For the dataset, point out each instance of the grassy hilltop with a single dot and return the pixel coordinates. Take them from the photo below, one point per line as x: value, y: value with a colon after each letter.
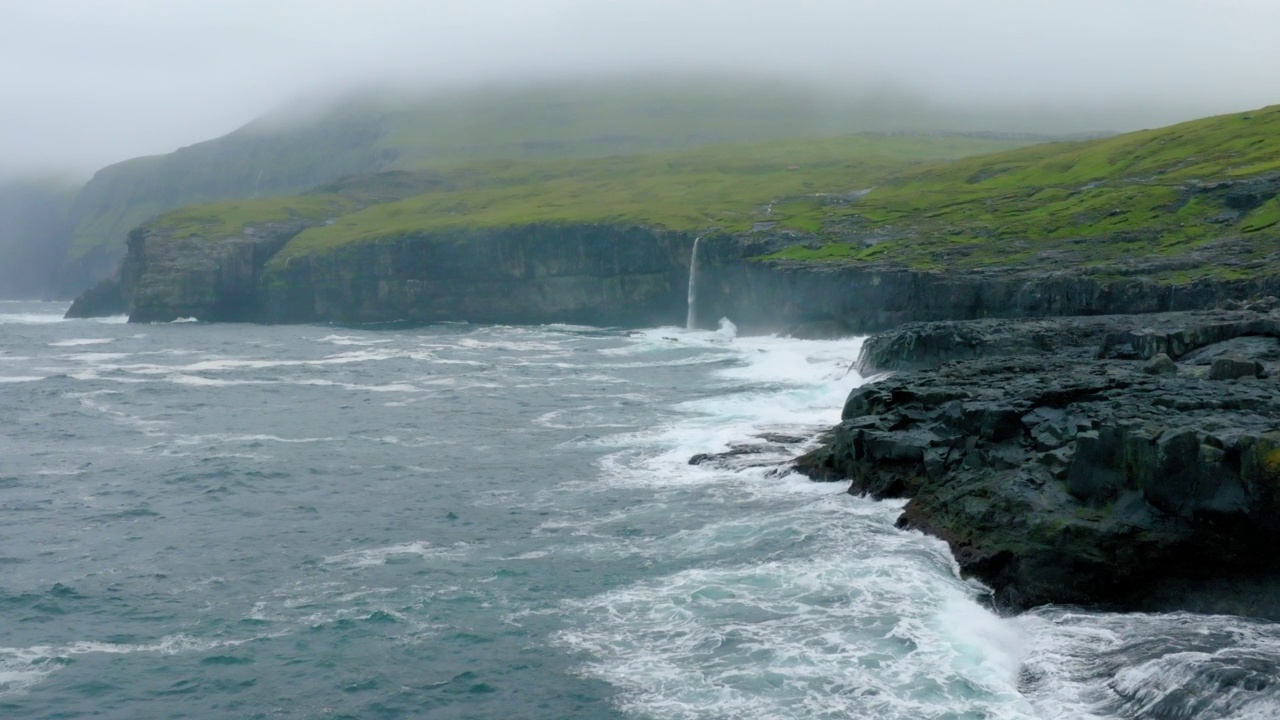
x: 1201, y: 195
x: 733, y: 187
x: 728, y: 186
x: 286, y: 154
x: 1200, y: 199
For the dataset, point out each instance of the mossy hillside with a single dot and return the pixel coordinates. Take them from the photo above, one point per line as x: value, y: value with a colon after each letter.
x: 733, y: 187
x: 288, y: 152
x: 1168, y: 193
x: 235, y: 217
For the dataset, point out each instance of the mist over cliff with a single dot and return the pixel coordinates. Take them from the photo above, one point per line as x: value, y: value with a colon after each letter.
x: 83, y: 84
x: 158, y: 105
x: 33, y: 234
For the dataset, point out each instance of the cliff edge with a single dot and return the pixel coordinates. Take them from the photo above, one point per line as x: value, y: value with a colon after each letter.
x: 1128, y: 462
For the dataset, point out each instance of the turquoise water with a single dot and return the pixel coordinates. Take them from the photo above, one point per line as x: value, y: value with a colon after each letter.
x: 231, y: 521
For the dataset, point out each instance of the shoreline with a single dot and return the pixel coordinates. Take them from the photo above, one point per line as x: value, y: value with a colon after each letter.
x: 1074, y: 461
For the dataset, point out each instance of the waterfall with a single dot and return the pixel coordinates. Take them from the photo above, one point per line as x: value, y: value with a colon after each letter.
x: 692, y: 319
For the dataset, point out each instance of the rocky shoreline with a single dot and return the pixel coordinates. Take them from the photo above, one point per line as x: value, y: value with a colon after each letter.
x: 1130, y: 462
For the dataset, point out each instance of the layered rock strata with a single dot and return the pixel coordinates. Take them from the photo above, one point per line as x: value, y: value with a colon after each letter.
x: 163, y: 277
x: 828, y: 299
x: 594, y: 274
x: 588, y: 274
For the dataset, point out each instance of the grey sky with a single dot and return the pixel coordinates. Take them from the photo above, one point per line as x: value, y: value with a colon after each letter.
x: 88, y: 82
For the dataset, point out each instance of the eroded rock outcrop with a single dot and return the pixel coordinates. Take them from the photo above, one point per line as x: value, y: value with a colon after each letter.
x: 1067, y: 475
x: 164, y: 277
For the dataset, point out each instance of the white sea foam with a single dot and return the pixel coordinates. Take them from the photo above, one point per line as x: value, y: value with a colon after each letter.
x: 168, y: 645
x: 29, y: 318
x: 354, y: 340
x: 839, y: 614
x: 1087, y: 665
x: 230, y: 438
x: 587, y: 416
x: 522, y: 346
x: 391, y: 387
x: 146, y: 427
x: 369, y: 557
x: 98, y: 357
x: 22, y: 668
x: 727, y: 329
x: 830, y: 636
x: 77, y: 342
x: 198, y: 381
x: 836, y: 614
x: 20, y: 378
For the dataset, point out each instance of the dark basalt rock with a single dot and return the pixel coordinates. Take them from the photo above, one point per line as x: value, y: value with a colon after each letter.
x: 1230, y: 368
x: 164, y: 277
x: 1071, y: 475
x: 1160, y: 365
x: 603, y: 275
x: 101, y: 300
x: 763, y: 451
x: 762, y: 295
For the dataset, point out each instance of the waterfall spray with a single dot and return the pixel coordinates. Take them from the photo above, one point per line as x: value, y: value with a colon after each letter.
x: 692, y: 319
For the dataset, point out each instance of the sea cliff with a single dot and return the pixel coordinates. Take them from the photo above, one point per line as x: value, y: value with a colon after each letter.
x: 830, y: 299
x: 586, y: 274
x: 591, y: 274
x: 625, y: 275
x: 1127, y: 461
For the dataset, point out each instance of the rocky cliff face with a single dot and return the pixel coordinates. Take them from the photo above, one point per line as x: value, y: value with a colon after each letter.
x: 163, y: 278
x: 832, y: 298
x: 601, y: 275
x: 595, y: 274
x: 1134, y: 461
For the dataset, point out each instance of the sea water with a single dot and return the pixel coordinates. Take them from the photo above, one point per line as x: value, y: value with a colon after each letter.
x: 238, y: 521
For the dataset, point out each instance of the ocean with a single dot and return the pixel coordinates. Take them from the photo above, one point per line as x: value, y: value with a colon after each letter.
x: 460, y: 521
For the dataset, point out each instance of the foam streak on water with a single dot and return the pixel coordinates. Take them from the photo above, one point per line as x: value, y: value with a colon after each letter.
x: 480, y: 522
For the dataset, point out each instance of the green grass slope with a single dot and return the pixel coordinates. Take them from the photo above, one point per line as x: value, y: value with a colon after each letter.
x: 733, y: 187
x: 1192, y: 200
x: 233, y: 217
x: 283, y: 155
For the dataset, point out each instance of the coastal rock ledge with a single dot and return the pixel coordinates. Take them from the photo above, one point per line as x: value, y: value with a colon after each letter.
x: 1126, y: 462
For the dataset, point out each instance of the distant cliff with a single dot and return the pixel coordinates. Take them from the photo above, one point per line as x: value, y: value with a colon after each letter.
x: 588, y: 274
x: 823, y: 236
x: 592, y: 274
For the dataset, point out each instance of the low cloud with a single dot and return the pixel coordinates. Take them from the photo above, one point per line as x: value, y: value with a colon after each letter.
x: 85, y: 83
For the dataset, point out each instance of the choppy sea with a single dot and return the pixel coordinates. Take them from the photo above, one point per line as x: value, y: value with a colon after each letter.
x: 457, y: 521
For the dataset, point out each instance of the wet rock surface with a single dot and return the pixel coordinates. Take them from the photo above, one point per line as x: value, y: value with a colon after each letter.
x: 1061, y: 468
x: 761, y: 450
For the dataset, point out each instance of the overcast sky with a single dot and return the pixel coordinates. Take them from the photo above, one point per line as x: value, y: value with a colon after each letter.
x: 87, y: 82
